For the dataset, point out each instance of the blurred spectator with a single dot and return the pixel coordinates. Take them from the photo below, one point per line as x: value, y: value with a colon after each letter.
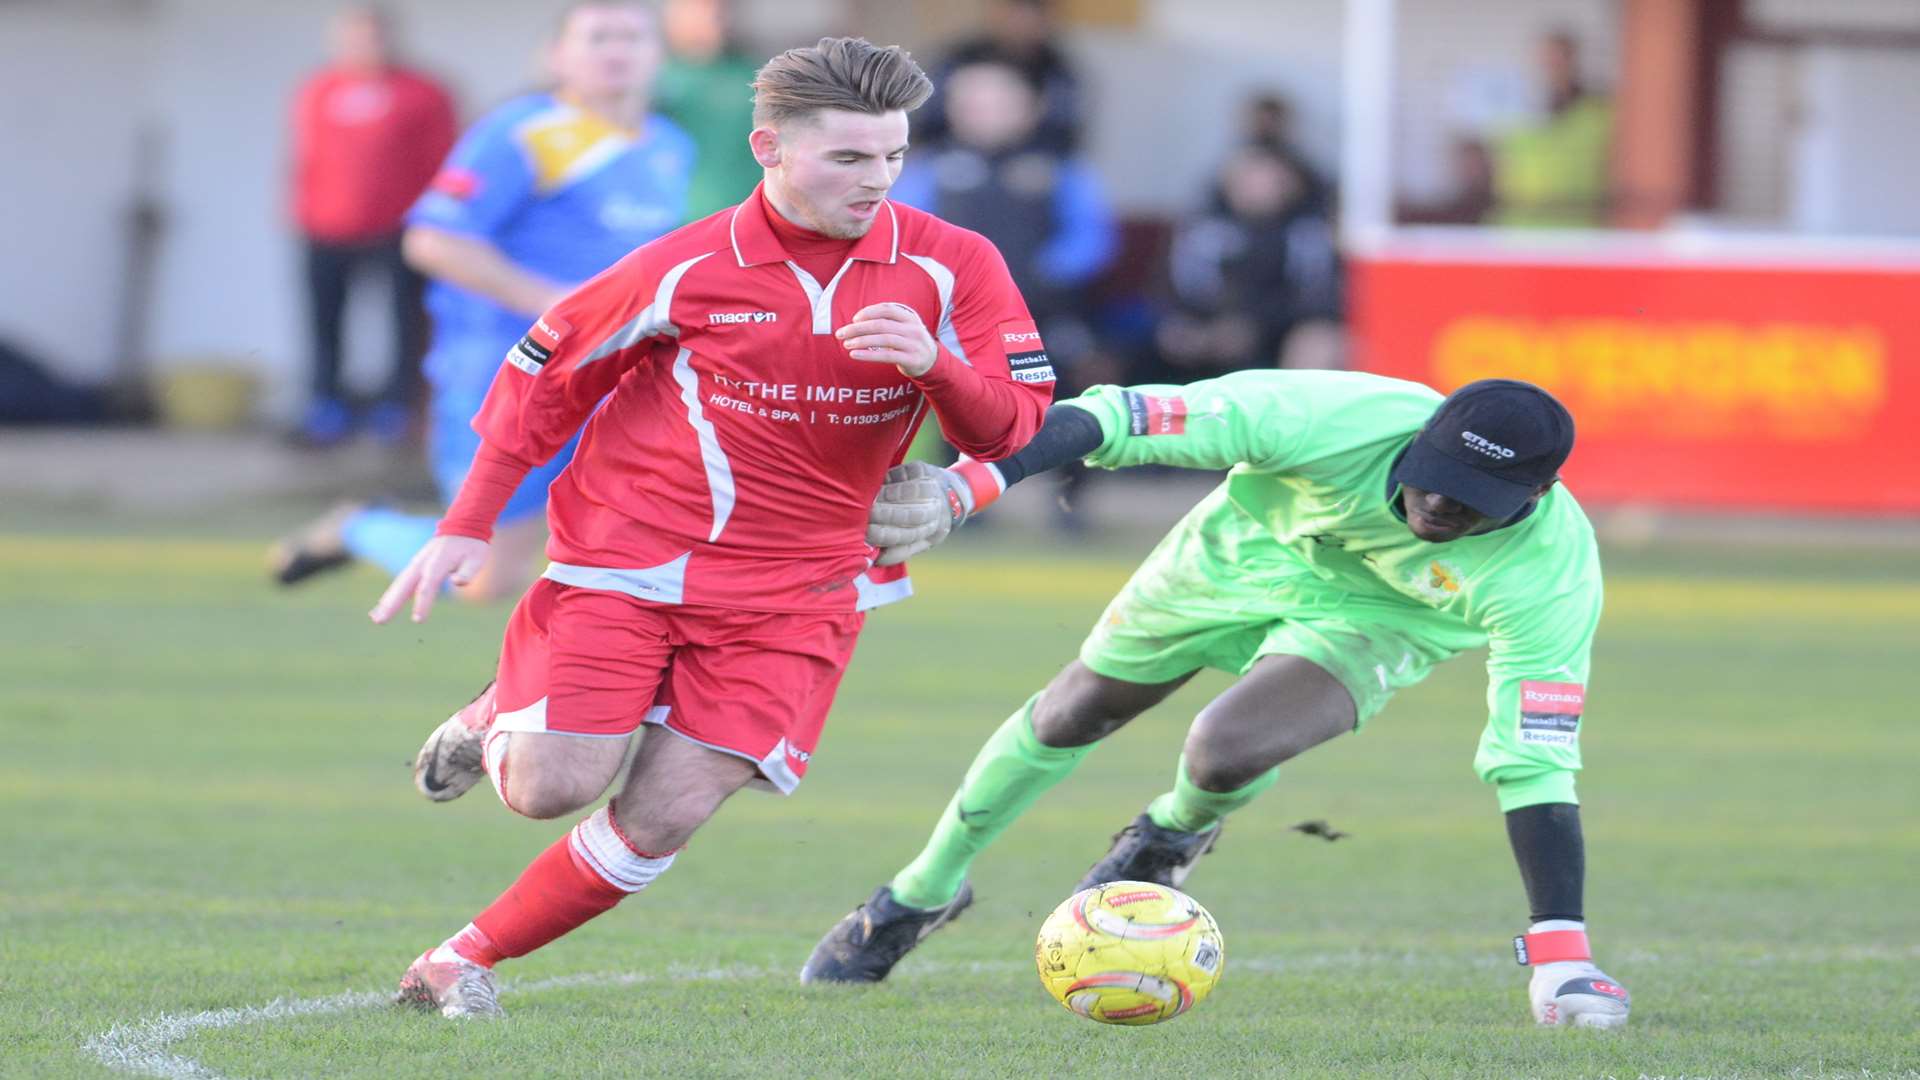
x: 1256, y: 278
x: 1554, y: 173
x: 1022, y: 35
x: 996, y: 172
x: 1469, y: 196
x: 706, y: 87
x: 1267, y: 117
x: 541, y: 194
x: 1267, y: 120
x: 368, y: 134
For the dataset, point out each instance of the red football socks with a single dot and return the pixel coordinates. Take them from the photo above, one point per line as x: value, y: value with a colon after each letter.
x: 555, y: 893
x: 583, y: 874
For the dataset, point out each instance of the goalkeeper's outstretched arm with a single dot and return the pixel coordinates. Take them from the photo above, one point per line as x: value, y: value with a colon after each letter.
x: 1250, y: 418
x: 1068, y: 434
x: 920, y: 504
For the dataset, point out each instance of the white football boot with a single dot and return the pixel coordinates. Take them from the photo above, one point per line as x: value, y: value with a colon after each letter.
x: 452, y: 759
x: 1566, y: 989
x: 443, y: 981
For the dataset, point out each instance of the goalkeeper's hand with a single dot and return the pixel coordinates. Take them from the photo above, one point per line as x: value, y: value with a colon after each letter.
x: 920, y: 504
x: 1567, y: 990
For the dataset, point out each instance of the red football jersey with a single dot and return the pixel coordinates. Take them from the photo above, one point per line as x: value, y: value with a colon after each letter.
x: 738, y: 448
x: 364, y: 147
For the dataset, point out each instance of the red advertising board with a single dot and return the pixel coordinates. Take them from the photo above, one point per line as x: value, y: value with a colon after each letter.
x: 1691, y: 386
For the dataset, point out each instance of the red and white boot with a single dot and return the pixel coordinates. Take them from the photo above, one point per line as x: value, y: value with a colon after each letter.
x: 453, y: 758
x: 445, y: 982
x: 1567, y: 990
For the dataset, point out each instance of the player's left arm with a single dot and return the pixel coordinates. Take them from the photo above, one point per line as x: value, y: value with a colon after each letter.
x: 991, y: 392
x: 1537, y: 669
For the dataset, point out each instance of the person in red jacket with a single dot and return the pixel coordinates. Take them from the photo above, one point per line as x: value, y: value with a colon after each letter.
x: 747, y: 382
x: 368, y: 134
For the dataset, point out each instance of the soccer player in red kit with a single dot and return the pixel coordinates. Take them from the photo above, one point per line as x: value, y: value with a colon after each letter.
x: 761, y: 371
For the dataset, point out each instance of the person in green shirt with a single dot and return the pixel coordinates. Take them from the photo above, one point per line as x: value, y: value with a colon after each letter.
x: 1554, y: 173
x: 1366, y: 531
x: 706, y: 86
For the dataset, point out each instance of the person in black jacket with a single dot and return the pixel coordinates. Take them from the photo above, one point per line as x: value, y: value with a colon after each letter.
x: 1256, y: 276
x: 1022, y: 35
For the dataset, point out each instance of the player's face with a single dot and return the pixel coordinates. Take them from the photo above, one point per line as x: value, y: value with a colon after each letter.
x: 360, y: 39
x: 830, y: 171
x: 991, y: 106
x: 606, y: 51
x: 1437, y: 519
x: 695, y: 28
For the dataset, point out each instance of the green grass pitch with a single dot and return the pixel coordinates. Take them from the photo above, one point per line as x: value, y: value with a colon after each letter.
x: 212, y: 864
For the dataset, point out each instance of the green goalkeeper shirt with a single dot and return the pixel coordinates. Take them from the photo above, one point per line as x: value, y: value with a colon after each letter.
x: 1309, y: 455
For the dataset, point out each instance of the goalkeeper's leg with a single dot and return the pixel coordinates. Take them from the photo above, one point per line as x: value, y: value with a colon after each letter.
x: 1032, y: 751
x: 1035, y: 749
x: 1283, y: 706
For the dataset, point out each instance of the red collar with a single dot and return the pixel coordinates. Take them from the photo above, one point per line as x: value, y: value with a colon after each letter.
x: 755, y: 242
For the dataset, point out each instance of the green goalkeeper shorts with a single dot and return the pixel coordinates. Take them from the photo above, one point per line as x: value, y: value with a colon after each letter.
x: 1219, y: 592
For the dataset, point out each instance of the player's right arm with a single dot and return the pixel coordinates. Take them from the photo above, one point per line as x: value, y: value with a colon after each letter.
x: 450, y: 230
x: 477, y: 266
x: 550, y: 382
x: 1256, y: 418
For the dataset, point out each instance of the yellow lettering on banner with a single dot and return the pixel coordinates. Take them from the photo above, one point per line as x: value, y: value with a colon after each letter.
x: 1681, y: 379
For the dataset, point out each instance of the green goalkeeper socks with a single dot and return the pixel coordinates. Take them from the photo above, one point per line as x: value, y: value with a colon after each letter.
x: 1188, y: 808
x: 1009, y: 773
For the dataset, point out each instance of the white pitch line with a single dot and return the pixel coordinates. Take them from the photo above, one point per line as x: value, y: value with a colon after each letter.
x: 141, y: 1047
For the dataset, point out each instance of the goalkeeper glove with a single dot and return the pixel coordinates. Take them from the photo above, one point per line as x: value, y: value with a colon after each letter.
x: 1567, y: 990
x: 920, y: 504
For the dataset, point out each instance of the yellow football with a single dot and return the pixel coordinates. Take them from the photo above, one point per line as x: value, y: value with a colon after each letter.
x: 1130, y: 952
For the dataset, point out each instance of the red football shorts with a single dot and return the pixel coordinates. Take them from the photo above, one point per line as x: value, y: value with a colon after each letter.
x: 754, y: 684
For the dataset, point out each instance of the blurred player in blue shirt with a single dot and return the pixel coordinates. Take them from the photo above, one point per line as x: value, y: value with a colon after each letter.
x: 541, y: 194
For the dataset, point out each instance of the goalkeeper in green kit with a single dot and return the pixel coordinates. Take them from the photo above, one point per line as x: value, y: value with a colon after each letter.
x: 1368, y: 529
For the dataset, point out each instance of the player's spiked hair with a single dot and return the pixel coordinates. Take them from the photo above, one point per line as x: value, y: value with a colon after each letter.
x: 838, y: 73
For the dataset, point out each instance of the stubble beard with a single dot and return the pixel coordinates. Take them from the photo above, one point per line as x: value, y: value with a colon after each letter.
x: 820, y: 223
x: 849, y: 231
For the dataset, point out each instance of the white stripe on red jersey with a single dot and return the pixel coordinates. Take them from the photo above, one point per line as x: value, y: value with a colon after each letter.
x: 738, y: 447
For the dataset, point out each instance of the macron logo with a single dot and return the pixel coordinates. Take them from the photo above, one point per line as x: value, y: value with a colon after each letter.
x: 723, y: 318
x: 1485, y: 446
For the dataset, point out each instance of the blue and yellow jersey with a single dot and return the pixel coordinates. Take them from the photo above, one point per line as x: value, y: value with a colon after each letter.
x: 560, y: 191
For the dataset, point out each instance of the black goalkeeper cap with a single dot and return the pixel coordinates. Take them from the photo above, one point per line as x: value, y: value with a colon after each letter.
x: 1490, y: 445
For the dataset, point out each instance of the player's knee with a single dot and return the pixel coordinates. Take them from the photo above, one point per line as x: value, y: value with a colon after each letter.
x: 657, y: 828
x: 1061, y: 718
x: 1228, y: 748
x: 535, y: 795
x: 1080, y: 707
x: 1212, y: 771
